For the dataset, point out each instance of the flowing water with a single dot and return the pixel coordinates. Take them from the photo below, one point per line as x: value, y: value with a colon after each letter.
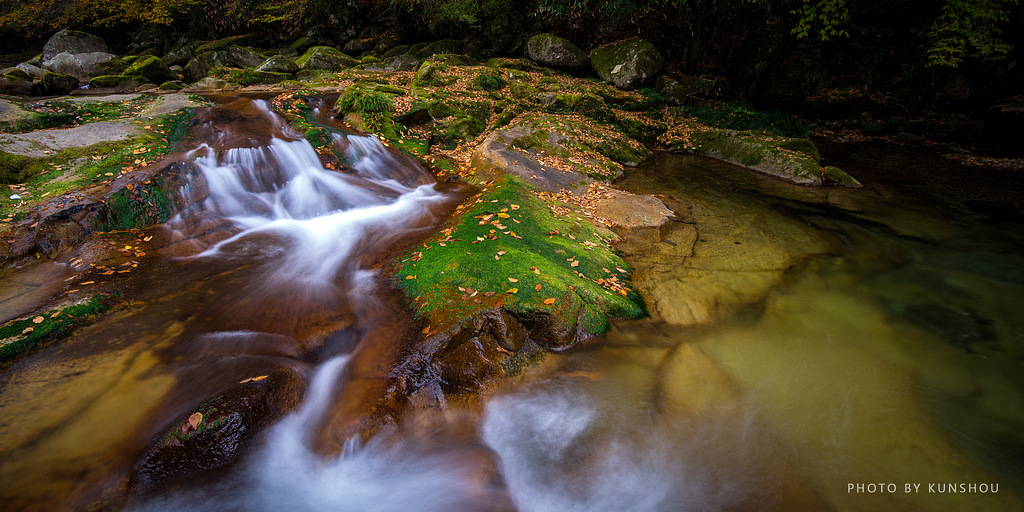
x: 808, y: 349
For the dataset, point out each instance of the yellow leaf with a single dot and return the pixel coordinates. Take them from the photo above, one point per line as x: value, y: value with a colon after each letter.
x: 195, y: 419
x: 410, y: 277
x: 37, y: 320
x: 575, y: 263
x: 513, y: 280
x: 512, y: 290
x: 549, y: 301
x: 28, y: 330
x: 515, y: 206
x: 503, y: 215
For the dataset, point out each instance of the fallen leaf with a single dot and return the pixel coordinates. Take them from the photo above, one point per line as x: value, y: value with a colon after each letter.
x: 94, y: 282
x: 504, y: 215
x: 425, y: 330
x: 537, y: 287
x: 512, y: 280
x: 515, y: 206
x: 195, y: 419
x: 410, y: 277
x: 28, y: 330
x: 549, y: 301
x: 37, y: 320
x: 575, y: 263
x: 512, y: 290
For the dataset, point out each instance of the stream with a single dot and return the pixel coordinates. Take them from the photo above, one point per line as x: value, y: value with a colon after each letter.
x: 808, y: 349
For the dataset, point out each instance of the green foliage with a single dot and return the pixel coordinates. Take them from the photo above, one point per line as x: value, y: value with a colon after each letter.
x: 969, y: 28
x: 490, y: 81
x: 456, y: 17
x: 822, y: 19
x: 743, y: 117
x: 19, y: 336
x: 243, y: 77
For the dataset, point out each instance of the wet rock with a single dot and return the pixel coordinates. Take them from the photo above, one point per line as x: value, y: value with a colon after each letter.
x: 73, y: 42
x: 553, y: 51
x: 628, y: 64
x: 625, y: 210
x: 836, y: 176
x: 224, y: 426
x: 279, y: 64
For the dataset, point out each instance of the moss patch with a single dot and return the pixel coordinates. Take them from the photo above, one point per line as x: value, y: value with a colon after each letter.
x: 18, y: 336
x: 506, y: 248
x: 63, y: 113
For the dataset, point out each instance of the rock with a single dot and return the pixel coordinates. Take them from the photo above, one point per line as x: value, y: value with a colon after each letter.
x: 119, y: 81
x: 33, y: 71
x: 176, y: 85
x: 152, y: 68
x: 678, y: 92
x: 774, y: 156
x: 325, y: 58
x: 178, y: 56
x: 243, y: 57
x: 758, y: 51
x: 223, y: 45
x: 206, y: 84
x: 452, y: 46
x: 626, y: 210
x: 391, y: 38
x: 406, y: 62
x: 279, y: 64
x: 200, y: 65
x: 343, y: 20
x: 73, y: 42
x: 223, y: 426
x: 628, y: 64
x: 56, y: 84
x: 554, y: 52
x: 789, y: 82
x: 15, y: 86
x: 17, y: 74
x: 84, y: 66
x: 836, y: 176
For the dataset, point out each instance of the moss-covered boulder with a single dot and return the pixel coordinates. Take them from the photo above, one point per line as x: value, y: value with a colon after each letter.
x: 279, y: 64
x: 56, y: 84
x: 152, y: 68
x: 555, y: 52
x: 792, y: 159
x: 403, y: 62
x: 85, y: 65
x: 199, y: 66
x: 244, y: 56
x: 369, y: 106
x: 627, y: 64
x: 15, y: 86
x: 325, y: 58
x: 73, y: 42
x: 224, y: 45
x: 451, y: 46
x: 116, y: 81
x: 680, y: 90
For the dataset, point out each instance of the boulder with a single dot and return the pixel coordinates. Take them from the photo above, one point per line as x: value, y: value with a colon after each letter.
x: 625, y: 210
x: 438, y: 47
x: 278, y: 64
x: 627, y: 64
x: 223, y: 45
x: 406, y: 62
x: 17, y: 73
x: 126, y: 82
x: 73, y: 42
x: 56, y: 84
x: 84, y: 66
x: 200, y: 65
x: 388, y: 40
x: 206, y: 84
x: 554, y: 52
x: 15, y: 86
x: 325, y: 58
x: 793, y: 160
x: 244, y: 57
x: 679, y: 91
x: 343, y: 20
x: 33, y: 71
x: 178, y: 56
x: 153, y: 68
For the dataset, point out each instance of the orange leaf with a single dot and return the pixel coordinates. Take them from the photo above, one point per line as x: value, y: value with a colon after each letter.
x: 425, y: 330
x: 537, y: 287
x: 575, y: 263
x: 37, y: 320
x: 549, y: 301
x: 512, y: 280
x: 195, y: 419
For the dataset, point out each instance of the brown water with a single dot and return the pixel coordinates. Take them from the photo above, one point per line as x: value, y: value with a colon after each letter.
x: 802, y: 342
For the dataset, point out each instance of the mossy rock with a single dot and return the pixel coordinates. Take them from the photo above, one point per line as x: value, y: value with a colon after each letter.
x: 244, y: 56
x: 176, y: 85
x: 555, y: 52
x: 763, y: 154
x: 512, y: 252
x: 444, y: 46
x: 13, y: 168
x: 114, y: 80
x: 226, y: 43
x: 199, y: 66
x: 627, y: 64
x: 152, y: 68
x: 325, y: 58
x: 56, y: 84
x: 837, y: 176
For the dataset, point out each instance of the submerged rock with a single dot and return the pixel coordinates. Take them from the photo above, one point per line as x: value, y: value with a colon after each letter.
x: 555, y: 52
x: 628, y: 64
x: 793, y: 160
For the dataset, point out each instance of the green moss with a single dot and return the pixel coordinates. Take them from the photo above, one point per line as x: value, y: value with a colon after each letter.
x: 490, y: 81
x: 740, y: 116
x: 510, y: 233
x: 19, y: 336
x: 13, y: 168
